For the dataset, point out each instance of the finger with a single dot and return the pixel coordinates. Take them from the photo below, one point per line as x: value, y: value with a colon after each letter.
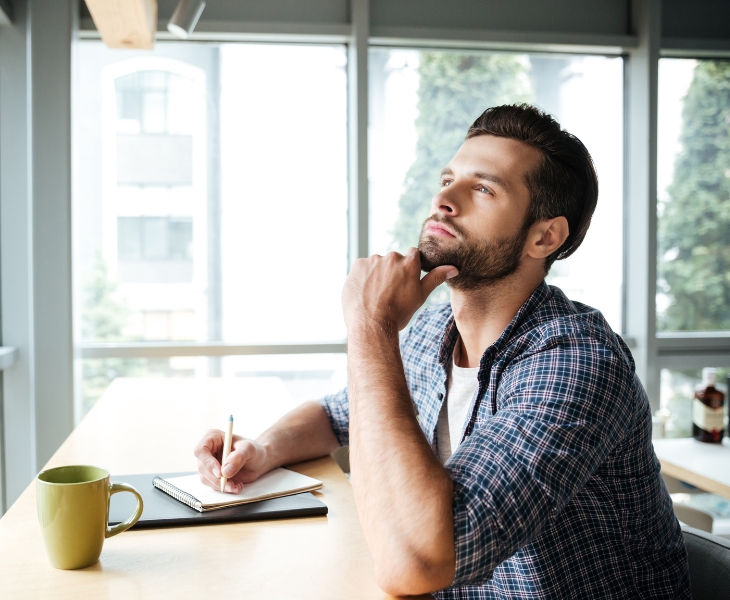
x: 211, y: 442
x: 232, y: 487
x: 206, y: 449
x: 242, y: 452
x: 436, y: 277
x: 210, y: 464
x: 411, y: 252
x: 207, y: 479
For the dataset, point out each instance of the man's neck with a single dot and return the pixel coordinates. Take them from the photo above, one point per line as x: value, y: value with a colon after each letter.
x: 482, y: 315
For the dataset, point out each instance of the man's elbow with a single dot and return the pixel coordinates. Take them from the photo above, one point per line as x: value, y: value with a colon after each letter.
x: 414, y: 576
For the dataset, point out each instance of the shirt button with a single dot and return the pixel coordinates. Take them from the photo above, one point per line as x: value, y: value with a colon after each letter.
x: 441, y: 396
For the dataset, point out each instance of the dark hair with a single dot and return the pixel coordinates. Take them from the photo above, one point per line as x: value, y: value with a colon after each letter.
x: 565, y: 183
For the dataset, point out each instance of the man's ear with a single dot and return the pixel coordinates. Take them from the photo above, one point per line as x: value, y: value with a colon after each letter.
x: 545, y: 237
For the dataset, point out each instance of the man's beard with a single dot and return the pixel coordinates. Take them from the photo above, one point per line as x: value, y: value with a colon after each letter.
x: 480, y: 263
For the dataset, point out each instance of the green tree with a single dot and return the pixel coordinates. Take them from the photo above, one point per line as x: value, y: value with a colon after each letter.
x: 104, y: 318
x: 694, y: 227
x: 105, y: 312
x: 454, y: 89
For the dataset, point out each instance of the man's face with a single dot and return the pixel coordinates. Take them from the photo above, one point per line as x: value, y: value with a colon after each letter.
x: 476, y: 221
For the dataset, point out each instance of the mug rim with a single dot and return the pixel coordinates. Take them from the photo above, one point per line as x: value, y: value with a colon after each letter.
x: 51, y: 470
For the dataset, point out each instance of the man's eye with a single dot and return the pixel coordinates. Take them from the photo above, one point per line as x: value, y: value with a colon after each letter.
x: 445, y: 182
x: 484, y: 190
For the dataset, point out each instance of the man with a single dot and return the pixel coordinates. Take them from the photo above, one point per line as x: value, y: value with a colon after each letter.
x: 502, y: 448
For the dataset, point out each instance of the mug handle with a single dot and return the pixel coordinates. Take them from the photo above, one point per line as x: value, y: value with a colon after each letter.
x: 125, y: 487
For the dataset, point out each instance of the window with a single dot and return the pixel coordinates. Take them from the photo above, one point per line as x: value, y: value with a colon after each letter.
x: 213, y: 203
x: 212, y: 206
x: 302, y: 376
x: 155, y: 238
x: 693, y: 261
x: 153, y: 101
x: 693, y: 231
x: 678, y: 387
x: 422, y: 103
x: 151, y: 139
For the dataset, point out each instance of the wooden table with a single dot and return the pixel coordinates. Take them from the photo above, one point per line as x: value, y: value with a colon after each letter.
x: 706, y: 466
x: 147, y: 426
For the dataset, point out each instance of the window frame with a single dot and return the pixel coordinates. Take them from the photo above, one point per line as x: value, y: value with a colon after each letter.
x: 641, y: 51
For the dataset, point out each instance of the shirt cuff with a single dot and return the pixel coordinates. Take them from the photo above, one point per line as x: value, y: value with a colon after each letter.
x: 475, y: 542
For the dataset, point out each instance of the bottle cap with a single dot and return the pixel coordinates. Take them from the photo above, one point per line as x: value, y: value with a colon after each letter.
x: 708, y: 376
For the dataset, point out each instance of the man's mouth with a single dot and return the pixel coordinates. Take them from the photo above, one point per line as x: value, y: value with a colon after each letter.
x: 434, y: 228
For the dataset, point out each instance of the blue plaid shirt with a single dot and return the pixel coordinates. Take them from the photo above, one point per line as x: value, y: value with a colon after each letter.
x: 557, y: 492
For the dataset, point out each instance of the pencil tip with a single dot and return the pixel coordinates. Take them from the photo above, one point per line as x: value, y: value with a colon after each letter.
x: 230, y: 417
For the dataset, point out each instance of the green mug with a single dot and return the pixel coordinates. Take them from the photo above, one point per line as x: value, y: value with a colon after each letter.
x: 73, y: 511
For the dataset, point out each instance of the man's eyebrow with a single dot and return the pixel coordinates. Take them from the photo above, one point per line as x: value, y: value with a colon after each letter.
x: 490, y: 177
x: 479, y: 175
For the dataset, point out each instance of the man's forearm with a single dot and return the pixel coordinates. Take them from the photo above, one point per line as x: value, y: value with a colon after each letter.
x: 302, y: 434
x: 402, y: 492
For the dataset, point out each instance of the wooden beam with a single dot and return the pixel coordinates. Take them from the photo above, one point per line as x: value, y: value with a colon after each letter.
x: 125, y: 23
x: 6, y: 12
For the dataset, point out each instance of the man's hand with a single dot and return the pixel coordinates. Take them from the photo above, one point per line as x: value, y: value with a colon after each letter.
x: 302, y: 434
x: 389, y: 289
x: 246, y: 462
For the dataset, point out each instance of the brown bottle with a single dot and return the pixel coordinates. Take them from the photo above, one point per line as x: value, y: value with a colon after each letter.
x: 708, y: 410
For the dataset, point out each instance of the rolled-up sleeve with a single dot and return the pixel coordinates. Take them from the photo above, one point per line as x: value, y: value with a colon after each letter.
x: 561, y: 410
x: 338, y: 412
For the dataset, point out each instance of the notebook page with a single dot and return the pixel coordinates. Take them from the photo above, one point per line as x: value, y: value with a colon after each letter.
x: 279, y: 482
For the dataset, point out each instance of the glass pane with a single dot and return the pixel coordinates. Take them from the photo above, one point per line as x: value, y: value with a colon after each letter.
x: 693, y: 262
x: 154, y: 111
x: 422, y: 103
x: 210, y: 192
x: 677, y: 391
x: 287, y: 380
x: 180, y: 238
x: 284, y: 176
x: 129, y: 238
x: 154, y: 238
x: 304, y: 376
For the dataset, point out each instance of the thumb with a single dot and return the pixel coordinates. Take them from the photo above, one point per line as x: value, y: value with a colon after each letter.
x: 241, y: 453
x: 436, y: 277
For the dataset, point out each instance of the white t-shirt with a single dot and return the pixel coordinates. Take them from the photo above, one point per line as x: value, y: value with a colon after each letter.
x: 461, y: 386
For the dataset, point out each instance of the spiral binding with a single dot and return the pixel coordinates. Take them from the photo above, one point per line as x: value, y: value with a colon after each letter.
x: 177, y: 493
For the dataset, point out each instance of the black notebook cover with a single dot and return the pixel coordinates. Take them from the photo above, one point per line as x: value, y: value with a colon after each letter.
x: 161, y: 510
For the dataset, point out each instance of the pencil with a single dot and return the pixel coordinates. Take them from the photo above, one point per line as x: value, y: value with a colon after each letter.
x: 226, y: 449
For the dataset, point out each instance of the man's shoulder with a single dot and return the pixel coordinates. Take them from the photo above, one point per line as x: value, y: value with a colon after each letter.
x: 564, y: 322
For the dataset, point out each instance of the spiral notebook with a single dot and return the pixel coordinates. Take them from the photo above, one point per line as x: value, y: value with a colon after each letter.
x: 189, y: 490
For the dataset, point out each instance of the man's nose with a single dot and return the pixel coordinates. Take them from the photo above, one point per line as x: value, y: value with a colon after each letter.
x: 445, y: 202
